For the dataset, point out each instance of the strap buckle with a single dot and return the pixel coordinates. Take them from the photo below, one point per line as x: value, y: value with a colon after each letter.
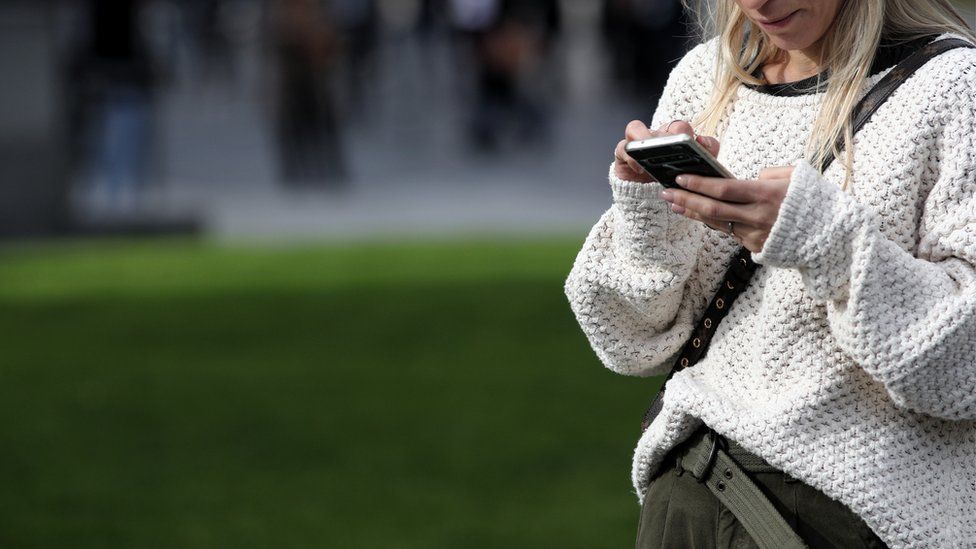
x: 704, y: 466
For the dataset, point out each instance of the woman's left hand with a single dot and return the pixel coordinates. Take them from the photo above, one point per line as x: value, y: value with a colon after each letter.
x: 751, y: 206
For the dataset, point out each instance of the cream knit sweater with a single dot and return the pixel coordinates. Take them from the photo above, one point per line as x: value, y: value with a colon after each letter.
x: 850, y: 360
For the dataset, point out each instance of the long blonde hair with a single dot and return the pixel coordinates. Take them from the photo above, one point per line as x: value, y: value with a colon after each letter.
x: 849, y: 46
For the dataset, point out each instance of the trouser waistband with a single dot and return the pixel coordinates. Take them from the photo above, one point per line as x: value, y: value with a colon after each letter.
x: 721, y: 465
x: 747, y: 460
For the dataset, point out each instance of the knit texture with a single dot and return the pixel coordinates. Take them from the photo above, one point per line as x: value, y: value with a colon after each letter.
x: 850, y: 360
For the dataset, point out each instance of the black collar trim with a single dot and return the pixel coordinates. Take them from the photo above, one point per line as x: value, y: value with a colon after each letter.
x: 890, y: 53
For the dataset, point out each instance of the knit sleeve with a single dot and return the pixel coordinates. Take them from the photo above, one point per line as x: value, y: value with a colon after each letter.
x: 908, y: 319
x: 636, y: 286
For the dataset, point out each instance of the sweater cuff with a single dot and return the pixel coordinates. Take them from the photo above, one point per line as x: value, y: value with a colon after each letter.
x: 807, y: 220
x: 634, y: 190
x: 646, y: 230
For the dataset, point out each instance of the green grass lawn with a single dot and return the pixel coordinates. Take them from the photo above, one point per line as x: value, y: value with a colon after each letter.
x: 175, y: 394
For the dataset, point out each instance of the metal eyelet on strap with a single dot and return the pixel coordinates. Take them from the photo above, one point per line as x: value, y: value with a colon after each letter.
x: 696, y: 343
x: 744, y: 263
x: 684, y: 362
x: 729, y: 285
x: 708, y: 323
x: 720, y: 303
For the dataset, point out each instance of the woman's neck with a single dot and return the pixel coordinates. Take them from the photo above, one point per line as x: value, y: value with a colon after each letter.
x: 794, y: 65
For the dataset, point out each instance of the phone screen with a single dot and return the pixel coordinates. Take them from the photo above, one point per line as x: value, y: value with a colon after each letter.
x: 665, y: 162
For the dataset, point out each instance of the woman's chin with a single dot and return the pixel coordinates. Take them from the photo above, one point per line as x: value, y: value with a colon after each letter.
x: 790, y: 43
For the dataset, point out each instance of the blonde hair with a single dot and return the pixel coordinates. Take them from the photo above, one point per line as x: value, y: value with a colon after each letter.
x: 849, y: 47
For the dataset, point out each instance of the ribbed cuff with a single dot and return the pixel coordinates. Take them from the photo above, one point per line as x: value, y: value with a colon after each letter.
x: 646, y: 231
x: 806, y: 223
x: 633, y: 190
x: 639, y: 195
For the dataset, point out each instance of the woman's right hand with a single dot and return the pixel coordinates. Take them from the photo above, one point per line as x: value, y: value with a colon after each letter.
x: 628, y: 169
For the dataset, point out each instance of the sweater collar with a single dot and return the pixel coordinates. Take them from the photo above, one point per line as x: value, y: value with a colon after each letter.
x: 890, y: 52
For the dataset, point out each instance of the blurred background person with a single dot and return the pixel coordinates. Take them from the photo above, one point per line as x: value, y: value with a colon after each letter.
x: 306, y: 45
x: 509, y: 41
x: 208, y: 22
x: 113, y: 79
x: 430, y: 14
x: 357, y: 23
x: 645, y: 39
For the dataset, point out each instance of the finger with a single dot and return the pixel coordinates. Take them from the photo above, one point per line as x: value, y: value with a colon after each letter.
x: 710, y: 143
x: 713, y: 224
x: 677, y: 126
x: 726, y: 190
x: 637, y: 130
x: 750, y: 237
x: 638, y: 173
x: 776, y: 172
x: 620, y: 153
x: 713, y: 210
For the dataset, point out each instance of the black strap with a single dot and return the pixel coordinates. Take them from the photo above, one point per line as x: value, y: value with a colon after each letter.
x: 742, y: 267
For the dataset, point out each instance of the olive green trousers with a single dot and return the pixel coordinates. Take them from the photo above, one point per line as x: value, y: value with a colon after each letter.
x: 680, y: 512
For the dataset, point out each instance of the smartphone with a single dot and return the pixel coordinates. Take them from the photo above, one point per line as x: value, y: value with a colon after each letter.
x: 672, y: 155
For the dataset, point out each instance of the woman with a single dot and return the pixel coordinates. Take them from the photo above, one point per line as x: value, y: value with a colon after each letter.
x: 844, y: 376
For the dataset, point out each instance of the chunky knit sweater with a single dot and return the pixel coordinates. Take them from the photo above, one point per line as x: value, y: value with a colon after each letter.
x: 849, y: 362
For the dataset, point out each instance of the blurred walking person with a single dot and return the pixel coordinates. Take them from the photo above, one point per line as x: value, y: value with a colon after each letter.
x: 113, y: 78
x: 357, y: 23
x: 507, y: 38
x: 216, y: 56
x: 646, y: 38
x: 308, y: 129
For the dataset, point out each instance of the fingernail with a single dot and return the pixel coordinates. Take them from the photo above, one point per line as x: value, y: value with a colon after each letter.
x: 667, y: 195
x: 677, y: 209
x: 681, y: 180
